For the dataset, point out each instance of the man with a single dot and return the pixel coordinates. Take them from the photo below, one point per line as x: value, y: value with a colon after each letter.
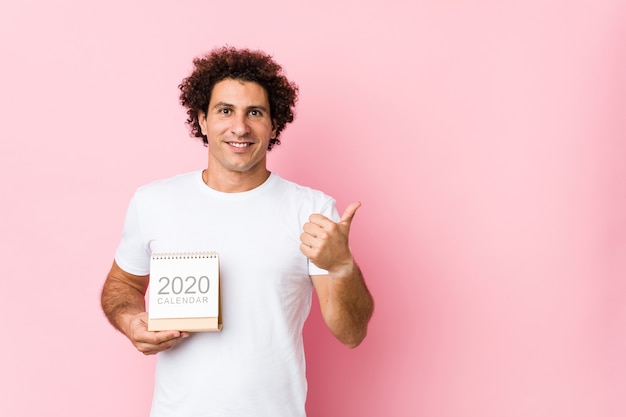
x: 276, y: 241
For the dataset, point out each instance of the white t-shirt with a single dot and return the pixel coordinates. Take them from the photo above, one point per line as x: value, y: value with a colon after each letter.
x: 255, y: 366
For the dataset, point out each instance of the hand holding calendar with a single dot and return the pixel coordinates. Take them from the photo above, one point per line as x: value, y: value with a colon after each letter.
x: 149, y: 342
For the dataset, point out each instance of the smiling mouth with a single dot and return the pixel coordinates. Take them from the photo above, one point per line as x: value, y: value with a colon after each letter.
x: 240, y: 144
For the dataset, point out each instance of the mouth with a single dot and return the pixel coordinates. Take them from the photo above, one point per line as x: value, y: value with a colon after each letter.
x: 240, y: 144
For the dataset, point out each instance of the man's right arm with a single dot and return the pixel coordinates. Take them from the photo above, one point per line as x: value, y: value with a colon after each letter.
x: 123, y: 302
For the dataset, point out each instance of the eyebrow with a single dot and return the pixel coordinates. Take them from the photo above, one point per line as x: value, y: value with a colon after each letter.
x: 253, y: 107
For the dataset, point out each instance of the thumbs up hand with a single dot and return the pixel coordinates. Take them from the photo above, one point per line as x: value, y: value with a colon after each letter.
x: 325, y: 242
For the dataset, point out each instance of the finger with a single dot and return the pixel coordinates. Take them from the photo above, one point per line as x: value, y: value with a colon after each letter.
x: 348, y: 214
x: 154, y: 338
x: 306, y: 250
x: 308, y: 240
x: 311, y: 228
x: 150, y: 348
x: 319, y: 220
x: 164, y: 337
x: 310, y: 252
x: 169, y: 343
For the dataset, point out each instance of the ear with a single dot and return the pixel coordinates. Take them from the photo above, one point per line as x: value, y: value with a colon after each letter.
x: 274, y: 129
x: 202, y: 122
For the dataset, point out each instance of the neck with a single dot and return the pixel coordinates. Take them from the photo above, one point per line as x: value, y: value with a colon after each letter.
x: 234, y: 182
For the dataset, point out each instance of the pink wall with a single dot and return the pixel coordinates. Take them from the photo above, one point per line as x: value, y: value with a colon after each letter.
x: 484, y: 138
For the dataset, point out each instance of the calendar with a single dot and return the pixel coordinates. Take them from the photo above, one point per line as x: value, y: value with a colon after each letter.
x: 184, y: 292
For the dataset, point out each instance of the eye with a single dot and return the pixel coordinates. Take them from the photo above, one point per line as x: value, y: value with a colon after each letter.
x: 255, y: 112
x: 224, y: 110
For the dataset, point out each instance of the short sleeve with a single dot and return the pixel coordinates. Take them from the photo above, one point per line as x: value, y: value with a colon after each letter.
x: 133, y: 254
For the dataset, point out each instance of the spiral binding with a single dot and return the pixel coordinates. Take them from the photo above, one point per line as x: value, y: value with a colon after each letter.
x: 185, y: 255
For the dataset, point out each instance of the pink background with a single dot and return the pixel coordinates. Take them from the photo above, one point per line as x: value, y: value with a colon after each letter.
x: 486, y: 140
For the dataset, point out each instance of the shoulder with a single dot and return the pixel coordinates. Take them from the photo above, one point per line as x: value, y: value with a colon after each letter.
x: 304, y: 200
x: 300, y: 192
x: 163, y: 187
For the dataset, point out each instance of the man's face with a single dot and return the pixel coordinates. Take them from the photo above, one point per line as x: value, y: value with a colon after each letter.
x: 238, y: 127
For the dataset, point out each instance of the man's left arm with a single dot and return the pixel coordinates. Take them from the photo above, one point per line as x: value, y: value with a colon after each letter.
x: 345, y: 301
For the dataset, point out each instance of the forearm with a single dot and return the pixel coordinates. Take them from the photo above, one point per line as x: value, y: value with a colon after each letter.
x: 123, y: 297
x: 120, y: 302
x: 349, y: 305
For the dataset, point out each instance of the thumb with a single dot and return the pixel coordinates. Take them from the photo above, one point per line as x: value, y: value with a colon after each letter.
x: 348, y: 214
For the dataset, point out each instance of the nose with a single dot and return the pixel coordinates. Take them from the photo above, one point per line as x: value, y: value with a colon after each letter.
x: 239, y: 126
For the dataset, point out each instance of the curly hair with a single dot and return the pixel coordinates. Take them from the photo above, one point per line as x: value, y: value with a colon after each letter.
x: 239, y: 64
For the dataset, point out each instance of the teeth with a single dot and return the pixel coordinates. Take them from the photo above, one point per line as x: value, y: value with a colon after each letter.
x: 239, y: 144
